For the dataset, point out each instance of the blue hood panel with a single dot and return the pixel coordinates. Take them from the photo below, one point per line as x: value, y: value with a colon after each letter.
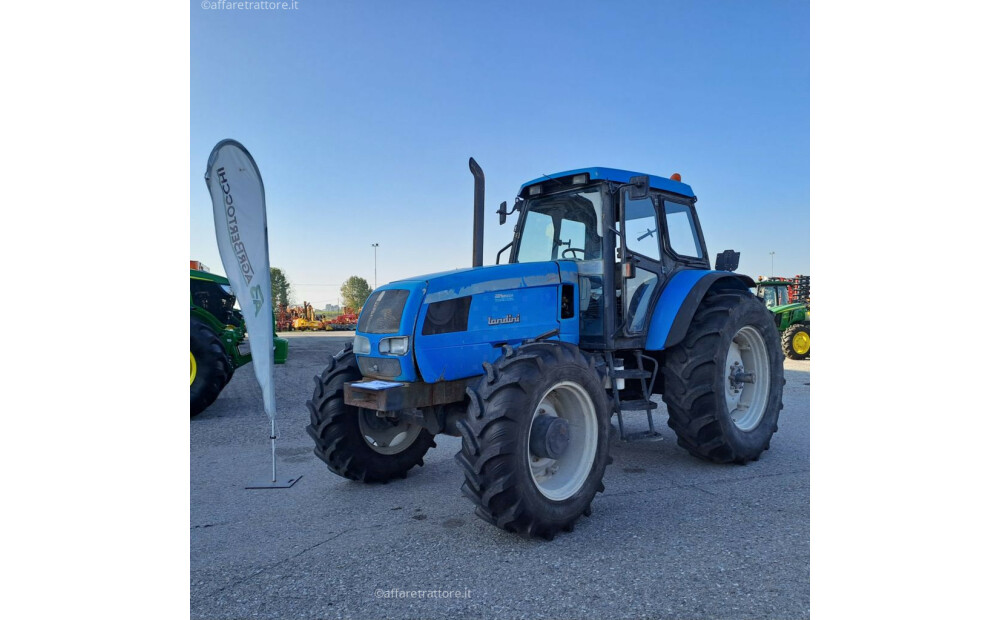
x: 509, y: 303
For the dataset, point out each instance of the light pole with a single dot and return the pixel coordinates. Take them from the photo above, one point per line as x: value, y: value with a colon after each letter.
x: 772, y: 265
x: 375, y: 245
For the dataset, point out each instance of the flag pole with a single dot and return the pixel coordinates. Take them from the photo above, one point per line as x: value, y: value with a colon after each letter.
x: 274, y: 466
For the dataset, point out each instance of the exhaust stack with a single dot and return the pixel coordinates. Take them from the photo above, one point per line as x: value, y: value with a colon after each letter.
x: 478, y: 213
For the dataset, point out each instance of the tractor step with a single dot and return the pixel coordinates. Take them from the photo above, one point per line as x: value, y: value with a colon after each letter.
x: 643, y: 403
x: 643, y: 436
x: 637, y: 405
x: 630, y: 373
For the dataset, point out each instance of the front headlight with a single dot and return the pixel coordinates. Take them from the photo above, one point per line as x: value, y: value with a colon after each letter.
x: 398, y: 345
x: 362, y: 345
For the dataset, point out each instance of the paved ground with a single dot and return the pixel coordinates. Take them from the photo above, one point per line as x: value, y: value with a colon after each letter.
x: 672, y: 537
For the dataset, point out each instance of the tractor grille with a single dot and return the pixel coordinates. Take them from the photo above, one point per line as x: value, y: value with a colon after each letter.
x: 383, y: 312
x: 379, y: 367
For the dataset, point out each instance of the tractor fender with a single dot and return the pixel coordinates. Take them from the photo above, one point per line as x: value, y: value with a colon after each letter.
x: 680, y: 298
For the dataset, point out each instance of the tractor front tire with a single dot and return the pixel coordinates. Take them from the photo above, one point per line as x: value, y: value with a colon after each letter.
x: 723, y: 383
x: 543, y: 392
x: 795, y: 341
x: 210, y: 368
x: 354, y: 442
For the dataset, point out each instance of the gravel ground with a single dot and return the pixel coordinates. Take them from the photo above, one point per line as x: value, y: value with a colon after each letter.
x: 672, y: 537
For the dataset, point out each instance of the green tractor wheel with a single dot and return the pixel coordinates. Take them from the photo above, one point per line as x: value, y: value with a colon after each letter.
x: 210, y: 371
x: 795, y: 341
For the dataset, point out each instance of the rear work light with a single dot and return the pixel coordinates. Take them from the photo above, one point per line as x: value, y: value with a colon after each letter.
x: 580, y: 179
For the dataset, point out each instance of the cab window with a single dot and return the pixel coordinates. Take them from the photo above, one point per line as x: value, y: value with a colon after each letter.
x: 681, y: 231
x: 641, y: 229
x: 562, y: 226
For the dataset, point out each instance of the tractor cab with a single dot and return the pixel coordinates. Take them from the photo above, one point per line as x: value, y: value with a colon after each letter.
x: 627, y: 236
x: 773, y: 293
x: 213, y: 294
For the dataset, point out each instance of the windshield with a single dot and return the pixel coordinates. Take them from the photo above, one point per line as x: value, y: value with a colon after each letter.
x: 773, y: 295
x: 567, y: 225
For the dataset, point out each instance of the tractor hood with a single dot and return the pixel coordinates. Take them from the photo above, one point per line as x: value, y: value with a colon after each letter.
x: 443, y: 326
x: 787, y: 307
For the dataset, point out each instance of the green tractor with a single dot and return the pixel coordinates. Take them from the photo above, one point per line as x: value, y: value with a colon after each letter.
x: 788, y: 300
x: 217, y: 331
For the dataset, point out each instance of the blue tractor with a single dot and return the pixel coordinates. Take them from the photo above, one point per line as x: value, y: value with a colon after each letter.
x: 606, y: 300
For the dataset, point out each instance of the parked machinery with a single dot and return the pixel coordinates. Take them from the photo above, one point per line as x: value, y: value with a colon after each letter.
x: 305, y: 318
x: 607, y: 298
x: 788, y: 300
x: 346, y: 321
x: 217, y: 334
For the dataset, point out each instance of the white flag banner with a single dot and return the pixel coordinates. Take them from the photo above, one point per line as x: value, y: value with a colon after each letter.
x: 241, y: 232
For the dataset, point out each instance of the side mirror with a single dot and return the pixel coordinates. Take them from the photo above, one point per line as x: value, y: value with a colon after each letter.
x: 518, y: 205
x: 638, y: 187
x: 727, y: 261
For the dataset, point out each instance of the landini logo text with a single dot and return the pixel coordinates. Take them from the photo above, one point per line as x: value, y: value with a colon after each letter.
x: 503, y: 320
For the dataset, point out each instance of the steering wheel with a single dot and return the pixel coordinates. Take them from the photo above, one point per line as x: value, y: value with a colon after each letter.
x: 574, y: 250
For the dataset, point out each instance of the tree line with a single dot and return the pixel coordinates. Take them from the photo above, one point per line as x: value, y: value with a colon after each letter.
x: 353, y: 292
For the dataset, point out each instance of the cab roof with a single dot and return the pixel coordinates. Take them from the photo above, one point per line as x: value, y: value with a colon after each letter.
x: 208, y: 277
x: 618, y: 176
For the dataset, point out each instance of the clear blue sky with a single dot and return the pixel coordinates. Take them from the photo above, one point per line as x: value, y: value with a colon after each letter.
x: 362, y: 117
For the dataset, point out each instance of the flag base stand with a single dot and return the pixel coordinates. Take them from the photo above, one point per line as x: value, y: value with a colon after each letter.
x: 275, y: 482
x: 281, y: 483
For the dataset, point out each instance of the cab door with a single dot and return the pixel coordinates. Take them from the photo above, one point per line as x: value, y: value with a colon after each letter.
x: 662, y: 237
x: 642, y: 230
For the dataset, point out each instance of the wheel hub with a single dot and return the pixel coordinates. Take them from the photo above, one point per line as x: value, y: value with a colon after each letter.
x: 385, y: 435
x: 800, y: 343
x: 549, y: 437
x: 560, y: 459
x: 737, y: 378
x: 747, y: 378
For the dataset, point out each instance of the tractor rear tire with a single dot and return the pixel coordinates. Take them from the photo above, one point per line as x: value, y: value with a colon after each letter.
x: 795, y: 341
x: 346, y: 437
x: 210, y: 367
x: 715, y: 416
x: 512, y: 486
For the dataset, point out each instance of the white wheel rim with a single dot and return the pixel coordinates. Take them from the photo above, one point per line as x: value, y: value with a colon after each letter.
x: 559, y: 479
x: 747, y: 401
x: 383, y: 436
